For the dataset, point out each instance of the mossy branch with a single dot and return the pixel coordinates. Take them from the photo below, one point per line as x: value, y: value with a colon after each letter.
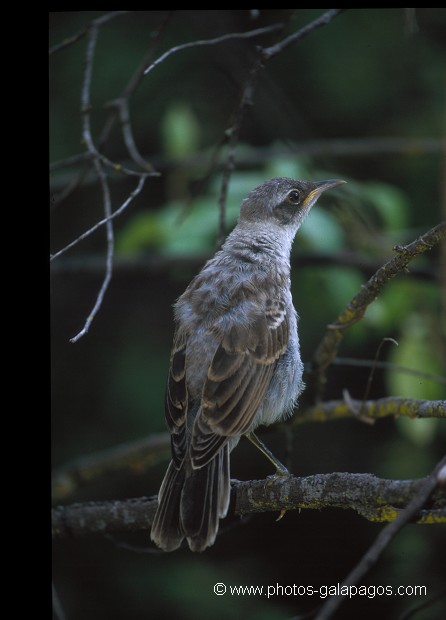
x: 137, y: 456
x: 370, y: 410
x: 133, y: 457
x: 355, y: 310
x: 373, y: 498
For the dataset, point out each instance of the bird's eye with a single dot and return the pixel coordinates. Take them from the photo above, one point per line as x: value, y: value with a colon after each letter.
x: 294, y: 196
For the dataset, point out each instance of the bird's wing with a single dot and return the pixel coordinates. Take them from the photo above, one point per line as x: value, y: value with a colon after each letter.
x: 176, y: 400
x: 241, y: 370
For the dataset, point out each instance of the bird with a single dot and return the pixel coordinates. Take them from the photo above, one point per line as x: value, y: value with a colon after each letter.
x: 235, y: 362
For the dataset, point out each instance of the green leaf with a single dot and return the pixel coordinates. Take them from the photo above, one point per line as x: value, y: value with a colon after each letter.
x: 321, y: 231
x: 144, y: 230
x: 180, y: 130
x: 389, y: 202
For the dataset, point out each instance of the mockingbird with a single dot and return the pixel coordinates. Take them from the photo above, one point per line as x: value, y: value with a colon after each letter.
x: 235, y: 361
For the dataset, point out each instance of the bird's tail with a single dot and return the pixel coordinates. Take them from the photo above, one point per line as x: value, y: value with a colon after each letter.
x: 191, y: 503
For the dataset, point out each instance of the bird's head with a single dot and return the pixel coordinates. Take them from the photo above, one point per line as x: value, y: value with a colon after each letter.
x: 283, y: 202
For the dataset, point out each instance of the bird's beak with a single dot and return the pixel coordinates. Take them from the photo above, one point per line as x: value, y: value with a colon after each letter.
x: 319, y: 187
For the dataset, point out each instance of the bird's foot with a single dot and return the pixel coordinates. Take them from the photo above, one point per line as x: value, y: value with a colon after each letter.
x: 280, y: 475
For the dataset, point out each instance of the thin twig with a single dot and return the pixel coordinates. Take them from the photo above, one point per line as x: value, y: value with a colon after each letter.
x: 109, y: 124
x: 263, y: 55
x: 215, y: 41
x: 324, y: 19
x: 110, y: 252
x: 357, y: 307
x: 372, y: 372
x: 92, y: 151
x: 97, y: 159
x: 99, y: 21
x: 122, y: 106
x: 234, y: 133
x: 382, y: 541
x: 110, y: 244
x: 124, y: 99
x: 104, y: 221
x: 88, y: 139
x: 86, y: 90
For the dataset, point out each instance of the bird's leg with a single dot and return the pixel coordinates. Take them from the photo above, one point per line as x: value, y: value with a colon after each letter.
x: 281, y: 470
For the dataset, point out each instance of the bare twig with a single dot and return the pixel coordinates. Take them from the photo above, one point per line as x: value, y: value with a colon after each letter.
x: 99, y: 21
x: 86, y: 134
x: 357, y: 307
x: 105, y: 221
x: 419, y: 499
x: 109, y: 259
x: 372, y: 371
x: 215, y: 41
x: 86, y: 90
x: 120, y: 109
x: 324, y: 19
x: 373, y: 498
x: 122, y: 106
x: 263, y: 55
x: 100, y: 160
x: 234, y: 133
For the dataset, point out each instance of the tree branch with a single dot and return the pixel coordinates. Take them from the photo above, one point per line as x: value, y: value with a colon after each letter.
x: 325, y: 18
x: 215, y: 41
x: 371, y: 409
x: 133, y: 456
x: 119, y: 109
x: 357, y: 307
x: 99, y: 21
x: 373, y: 498
x: 104, y: 221
x: 99, y: 161
x: 137, y: 456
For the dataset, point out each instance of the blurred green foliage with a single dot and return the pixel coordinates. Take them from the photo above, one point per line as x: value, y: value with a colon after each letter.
x: 327, y: 107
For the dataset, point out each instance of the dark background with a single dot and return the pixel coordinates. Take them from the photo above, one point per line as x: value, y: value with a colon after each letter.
x: 369, y: 77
